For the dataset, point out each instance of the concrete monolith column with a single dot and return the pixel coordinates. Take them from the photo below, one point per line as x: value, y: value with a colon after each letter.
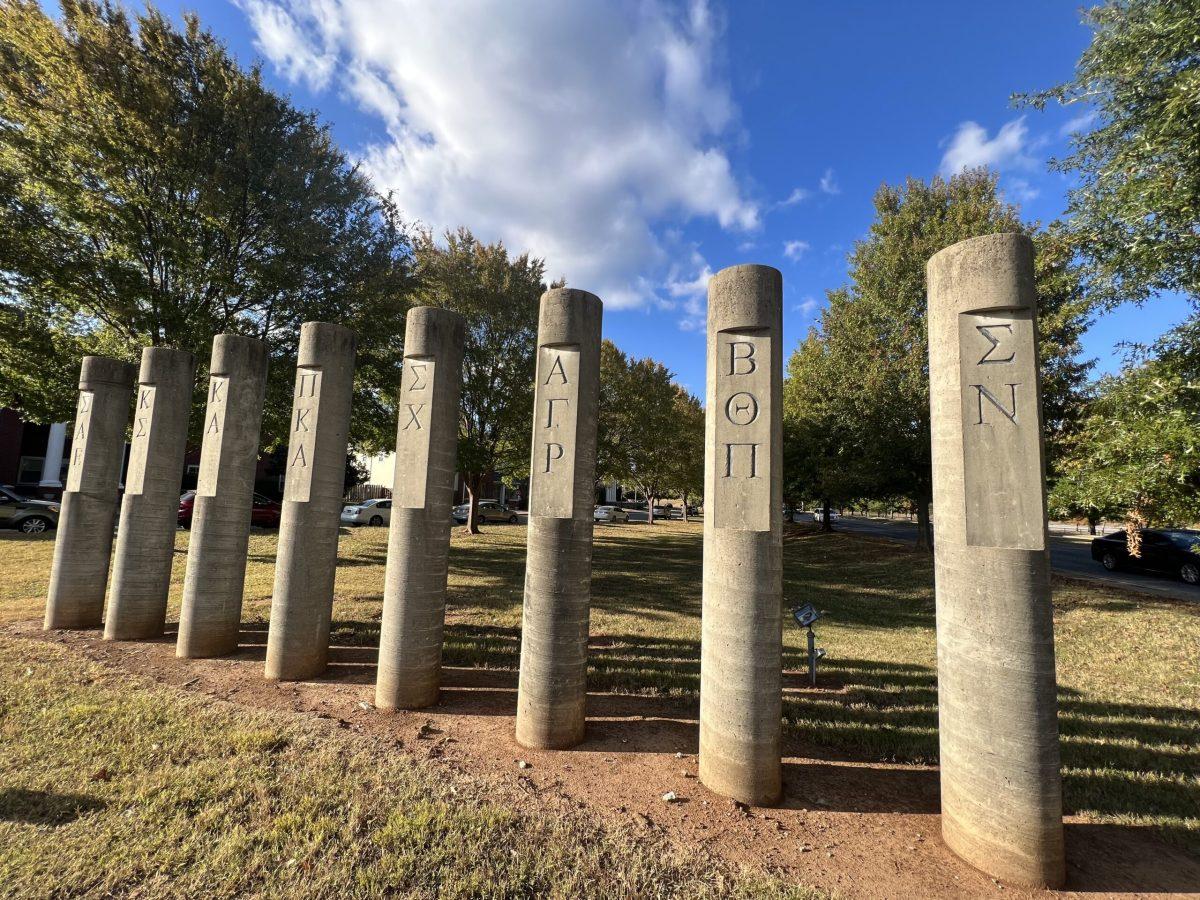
x: 137, y: 604
x: 414, y: 594
x: 211, y: 615
x: 552, y: 688
x: 83, y: 546
x: 302, y: 604
x: 741, y: 644
x: 997, y: 710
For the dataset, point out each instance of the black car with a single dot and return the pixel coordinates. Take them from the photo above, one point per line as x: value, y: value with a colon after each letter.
x: 1176, y: 552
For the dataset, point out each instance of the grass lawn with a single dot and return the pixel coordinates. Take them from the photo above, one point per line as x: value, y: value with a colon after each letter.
x: 221, y: 789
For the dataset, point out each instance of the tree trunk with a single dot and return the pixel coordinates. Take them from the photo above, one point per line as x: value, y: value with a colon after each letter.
x: 474, y: 482
x: 924, y: 531
x: 826, y: 522
x: 1092, y: 520
x: 685, y: 518
x: 649, y: 510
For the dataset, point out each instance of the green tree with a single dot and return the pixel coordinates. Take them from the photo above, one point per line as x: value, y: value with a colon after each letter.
x: 1136, y: 454
x: 858, y: 388
x: 1135, y: 212
x: 640, y: 435
x: 687, y: 466
x: 498, y: 296
x: 154, y: 193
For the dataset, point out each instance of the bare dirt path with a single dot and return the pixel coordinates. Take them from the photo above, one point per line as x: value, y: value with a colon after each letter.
x: 856, y: 829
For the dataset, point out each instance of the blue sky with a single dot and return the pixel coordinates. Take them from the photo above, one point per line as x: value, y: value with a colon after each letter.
x: 639, y: 145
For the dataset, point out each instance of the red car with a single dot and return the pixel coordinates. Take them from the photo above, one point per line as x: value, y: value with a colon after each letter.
x: 265, y: 513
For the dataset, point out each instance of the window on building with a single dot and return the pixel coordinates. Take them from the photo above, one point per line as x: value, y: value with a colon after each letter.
x: 30, y: 469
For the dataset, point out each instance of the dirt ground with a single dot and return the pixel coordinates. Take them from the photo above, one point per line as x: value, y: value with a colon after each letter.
x: 855, y: 829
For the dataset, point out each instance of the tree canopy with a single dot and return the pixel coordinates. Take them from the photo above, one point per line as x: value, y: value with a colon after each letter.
x: 154, y: 193
x: 857, y: 393
x: 1135, y: 212
x: 498, y: 296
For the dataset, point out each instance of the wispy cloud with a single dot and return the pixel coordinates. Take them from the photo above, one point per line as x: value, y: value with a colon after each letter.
x: 793, y: 250
x: 970, y: 147
x: 807, y: 306
x: 798, y: 195
x: 1078, y: 123
x: 829, y: 183
x: 509, y: 116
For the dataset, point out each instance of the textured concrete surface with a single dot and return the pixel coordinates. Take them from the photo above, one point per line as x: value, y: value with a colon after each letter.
x: 552, y: 687
x: 137, y: 603
x: 211, y: 614
x: 414, y: 593
x: 997, y: 713
x: 83, y: 545
x: 741, y: 688
x: 302, y: 603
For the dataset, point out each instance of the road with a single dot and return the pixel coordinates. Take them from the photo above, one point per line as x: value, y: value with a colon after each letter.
x: 1070, y: 554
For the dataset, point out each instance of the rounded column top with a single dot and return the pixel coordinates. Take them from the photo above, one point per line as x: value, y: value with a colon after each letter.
x: 569, y: 316
x: 165, y: 363
x: 237, y: 353
x: 745, y: 296
x: 98, y: 370
x: 428, y: 328
x: 993, y: 271
x: 318, y: 340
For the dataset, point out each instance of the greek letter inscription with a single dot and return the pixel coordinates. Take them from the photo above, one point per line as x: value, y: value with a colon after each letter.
x: 742, y: 408
x: 1010, y: 412
x: 411, y: 475
x: 306, y: 411
x: 738, y: 466
x: 554, y: 428
x: 214, y: 435
x: 988, y: 357
x: 139, y: 450
x: 83, y: 427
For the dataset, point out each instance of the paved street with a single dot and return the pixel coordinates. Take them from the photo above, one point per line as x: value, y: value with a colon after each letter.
x: 1070, y: 554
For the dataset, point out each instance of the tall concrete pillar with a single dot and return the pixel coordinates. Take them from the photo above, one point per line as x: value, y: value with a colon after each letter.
x: 552, y: 687
x: 83, y: 546
x: 211, y: 614
x: 414, y: 594
x: 302, y: 604
x: 137, y: 606
x: 741, y: 646
x: 997, y: 712
x: 56, y: 443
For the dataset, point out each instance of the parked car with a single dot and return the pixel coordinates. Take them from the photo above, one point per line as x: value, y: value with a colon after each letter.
x: 819, y: 515
x: 264, y: 512
x: 1175, y: 552
x: 369, y: 512
x: 611, y: 514
x: 487, y: 511
x: 28, y: 515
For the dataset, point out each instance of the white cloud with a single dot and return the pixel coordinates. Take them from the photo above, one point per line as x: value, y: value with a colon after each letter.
x: 580, y: 131
x: 793, y: 250
x: 807, y: 306
x: 691, y: 292
x: 1021, y: 189
x: 829, y: 183
x: 970, y: 147
x: 798, y: 195
x: 1078, y: 123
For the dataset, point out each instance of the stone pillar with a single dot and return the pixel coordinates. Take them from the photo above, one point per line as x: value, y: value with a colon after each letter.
x: 56, y: 442
x: 997, y: 713
x: 83, y: 546
x: 414, y: 594
x: 137, y: 605
x: 298, y: 638
x: 552, y: 688
x: 211, y: 614
x: 741, y: 644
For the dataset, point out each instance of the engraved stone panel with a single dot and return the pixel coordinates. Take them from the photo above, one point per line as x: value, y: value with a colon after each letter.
x: 303, y: 440
x: 139, y: 442
x: 1001, y: 429
x: 214, y: 435
x: 414, y: 433
x: 79, y: 441
x: 742, y: 370
x: 555, y: 423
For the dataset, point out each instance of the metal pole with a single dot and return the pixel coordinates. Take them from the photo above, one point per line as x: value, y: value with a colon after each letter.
x: 812, y: 657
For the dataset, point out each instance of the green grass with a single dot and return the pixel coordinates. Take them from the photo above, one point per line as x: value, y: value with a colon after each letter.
x: 113, y: 785
x: 1129, y: 683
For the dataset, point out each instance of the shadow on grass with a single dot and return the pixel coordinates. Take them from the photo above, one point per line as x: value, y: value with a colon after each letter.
x: 44, y: 807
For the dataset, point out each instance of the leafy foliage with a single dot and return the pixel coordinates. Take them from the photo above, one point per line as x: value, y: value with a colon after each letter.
x: 1135, y: 214
x: 498, y: 297
x: 153, y: 193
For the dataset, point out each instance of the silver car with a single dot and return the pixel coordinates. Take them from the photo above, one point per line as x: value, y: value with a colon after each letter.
x: 369, y: 512
x: 30, y: 516
x: 486, y: 511
x: 611, y: 514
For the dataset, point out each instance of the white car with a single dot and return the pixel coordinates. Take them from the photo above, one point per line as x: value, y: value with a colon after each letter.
x: 610, y: 514
x: 369, y: 512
